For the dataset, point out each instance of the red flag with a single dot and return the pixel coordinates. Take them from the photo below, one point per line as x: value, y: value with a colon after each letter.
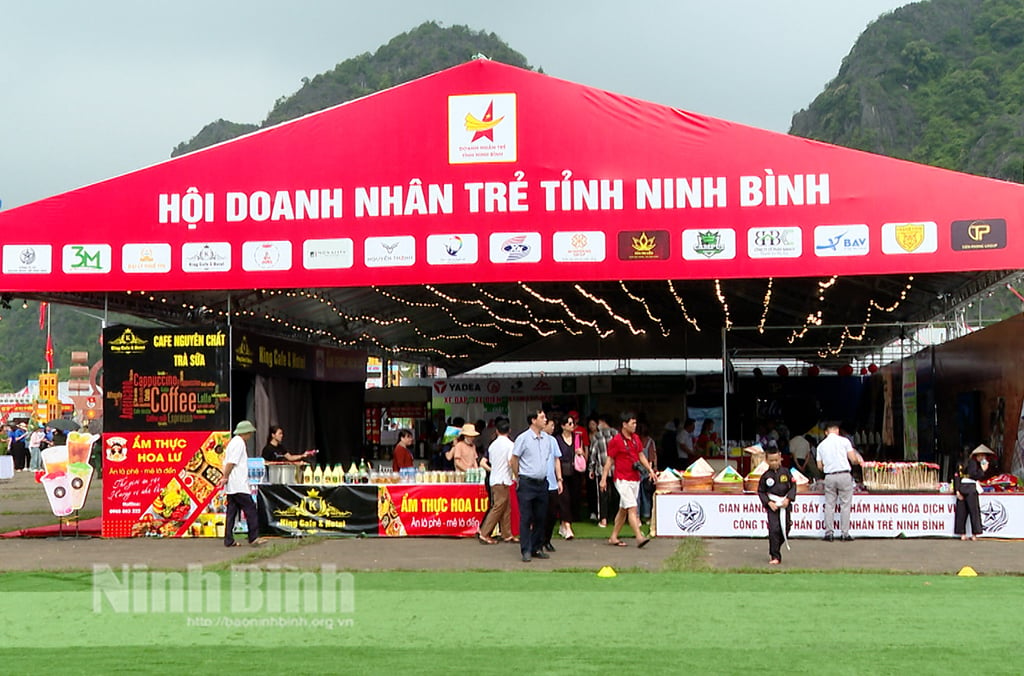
x: 49, y: 352
x: 42, y: 315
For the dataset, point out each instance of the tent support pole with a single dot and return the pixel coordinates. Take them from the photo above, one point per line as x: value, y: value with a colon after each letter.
x: 725, y: 398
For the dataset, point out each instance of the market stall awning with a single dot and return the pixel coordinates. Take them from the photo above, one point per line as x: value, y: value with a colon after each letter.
x: 488, y: 211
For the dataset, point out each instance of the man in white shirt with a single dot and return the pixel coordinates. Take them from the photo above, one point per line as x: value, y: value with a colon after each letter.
x: 500, y: 513
x: 804, y: 456
x: 236, y: 486
x: 684, y: 441
x: 835, y: 453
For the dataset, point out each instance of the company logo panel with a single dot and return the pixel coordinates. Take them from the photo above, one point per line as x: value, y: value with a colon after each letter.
x: 910, y: 238
x: 327, y: 254
x: 206, y: 257
x: 842, y: 240
x: 453, y: 249
x: 151, y: 258
x: 578, y: 247
x: 267, y: 256
x: 978, y: 234
x: 27, y: 259
x: 775, y: 242
x: 644, y: 245
x: 389, y: 252
x: 709, y: 244
x: 515, y: 247
x: 86, y: 259
x: 482, y: 128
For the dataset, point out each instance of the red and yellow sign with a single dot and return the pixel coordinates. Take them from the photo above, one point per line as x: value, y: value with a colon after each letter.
x: 159, y: 483
x: 424, y: 509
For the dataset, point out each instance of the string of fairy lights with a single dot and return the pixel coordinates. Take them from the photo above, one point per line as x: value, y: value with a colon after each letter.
x: 494, y: 313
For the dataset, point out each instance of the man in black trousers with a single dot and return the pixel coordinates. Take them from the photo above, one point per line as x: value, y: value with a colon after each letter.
x: 531, y: 454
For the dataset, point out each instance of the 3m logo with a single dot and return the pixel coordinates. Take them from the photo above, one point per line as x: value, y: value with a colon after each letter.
x: 86, y: 258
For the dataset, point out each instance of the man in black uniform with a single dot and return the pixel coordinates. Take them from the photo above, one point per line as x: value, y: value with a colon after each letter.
x: 777, y: 492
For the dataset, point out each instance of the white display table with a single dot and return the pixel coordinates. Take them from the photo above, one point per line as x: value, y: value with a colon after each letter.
x: 873, y: 515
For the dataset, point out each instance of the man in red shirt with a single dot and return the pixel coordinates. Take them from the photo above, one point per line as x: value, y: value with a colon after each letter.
x: 401, y: 457
x: 624, y: 450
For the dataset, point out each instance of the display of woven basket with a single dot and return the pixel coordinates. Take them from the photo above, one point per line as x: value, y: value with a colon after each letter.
x: 698, y: 483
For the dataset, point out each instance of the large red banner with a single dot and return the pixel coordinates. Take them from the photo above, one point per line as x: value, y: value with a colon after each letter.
x: 489, y: 173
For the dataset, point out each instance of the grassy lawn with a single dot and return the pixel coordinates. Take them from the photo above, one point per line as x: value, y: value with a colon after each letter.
x: 535, y: 622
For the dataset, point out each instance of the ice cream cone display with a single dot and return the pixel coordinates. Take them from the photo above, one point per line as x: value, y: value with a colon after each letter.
x: 803, y: 484
x: 728, y: 481
x: 752, y: 479
x: 901, y: 477
x: 699, y: 476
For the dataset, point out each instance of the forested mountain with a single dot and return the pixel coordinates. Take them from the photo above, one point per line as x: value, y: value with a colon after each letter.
x: 423, y: 50
x: 938, y: 82
x: 72, y: 329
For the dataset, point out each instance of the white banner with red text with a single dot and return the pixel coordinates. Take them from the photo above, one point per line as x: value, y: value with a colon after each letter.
x: 872, y: 515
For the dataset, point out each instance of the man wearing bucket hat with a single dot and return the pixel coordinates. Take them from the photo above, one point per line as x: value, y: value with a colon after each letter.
x: 236, y: 486
x: 978, y: 468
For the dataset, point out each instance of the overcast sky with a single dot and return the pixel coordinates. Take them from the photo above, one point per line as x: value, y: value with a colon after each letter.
x: 94, y: 89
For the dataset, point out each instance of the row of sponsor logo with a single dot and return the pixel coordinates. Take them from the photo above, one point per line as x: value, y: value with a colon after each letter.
x: 504, y: 247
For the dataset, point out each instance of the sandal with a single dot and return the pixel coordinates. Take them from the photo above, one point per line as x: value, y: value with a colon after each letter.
x: 643, y: 543
x: 233, y: 544
x: 514, y: 538
x: 484, y: 540
x: 617, y: 543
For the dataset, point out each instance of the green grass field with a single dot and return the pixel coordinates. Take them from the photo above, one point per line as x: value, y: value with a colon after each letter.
x: 535, y: 623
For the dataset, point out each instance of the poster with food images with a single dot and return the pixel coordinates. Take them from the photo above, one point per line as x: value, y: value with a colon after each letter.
x: 454, y: 510
x: 162, y: 483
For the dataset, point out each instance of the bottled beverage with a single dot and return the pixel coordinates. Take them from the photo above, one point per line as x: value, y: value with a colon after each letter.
x: 307, y: 475
x: 364, y: 476
x: 318, y: 476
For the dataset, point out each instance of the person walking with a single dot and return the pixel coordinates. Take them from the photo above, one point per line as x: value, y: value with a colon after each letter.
x: 606, y: 496
x: 567, y: 439
x: 777, y: 492
x: 626, y: 453
x: 531, y: 454
x: 965, y: 483
x: 835, y: 455
x: 500, y: 512
x: 235, y: 483
x: 35, y: 447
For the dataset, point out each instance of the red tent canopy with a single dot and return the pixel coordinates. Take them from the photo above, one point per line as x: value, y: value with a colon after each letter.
x: 489, y: 173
